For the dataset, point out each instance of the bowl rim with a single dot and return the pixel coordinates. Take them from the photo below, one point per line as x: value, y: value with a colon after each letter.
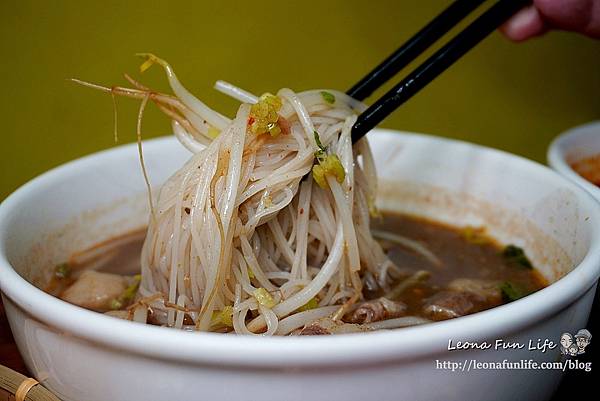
x: 558, y: 153
x: 272, y: 352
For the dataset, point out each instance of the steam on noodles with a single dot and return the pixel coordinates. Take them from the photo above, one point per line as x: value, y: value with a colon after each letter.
x: 266, y: 228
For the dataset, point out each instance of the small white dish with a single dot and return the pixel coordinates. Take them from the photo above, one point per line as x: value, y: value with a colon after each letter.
x: 576, y: 144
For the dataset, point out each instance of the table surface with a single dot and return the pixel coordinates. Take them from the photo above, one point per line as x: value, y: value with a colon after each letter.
x: 9, y: 354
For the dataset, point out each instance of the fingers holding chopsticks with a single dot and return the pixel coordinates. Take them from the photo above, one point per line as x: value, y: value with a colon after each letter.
x: 581, y: 16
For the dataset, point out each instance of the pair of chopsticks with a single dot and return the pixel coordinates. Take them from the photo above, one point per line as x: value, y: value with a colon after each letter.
x: 488, y: 22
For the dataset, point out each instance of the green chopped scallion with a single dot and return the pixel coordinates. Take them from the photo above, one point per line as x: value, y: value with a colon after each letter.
x: 264, y: 298
x: 475, y: 235
x: 62, y: 270
x: 127, y: 295
x: 328, y: 97
x: 311, y: 304
x: 515, y: 255
x: 264, y: 117
x: 223, y: 317
x: 329, y: 165
x: 322, y: 149
x: 511, y: 292
x: 115, y: 304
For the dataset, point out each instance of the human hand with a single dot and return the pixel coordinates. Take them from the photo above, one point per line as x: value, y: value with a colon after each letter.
x: 581, y: 16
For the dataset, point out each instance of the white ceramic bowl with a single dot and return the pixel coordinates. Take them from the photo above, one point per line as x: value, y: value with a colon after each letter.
x: 576, y: 144
x: 82, y: 355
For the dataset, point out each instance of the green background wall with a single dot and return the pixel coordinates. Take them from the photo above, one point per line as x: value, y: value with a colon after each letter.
x: 515, y: 97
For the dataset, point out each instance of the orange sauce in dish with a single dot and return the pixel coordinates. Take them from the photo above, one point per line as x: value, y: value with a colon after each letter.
x: 589, y: 168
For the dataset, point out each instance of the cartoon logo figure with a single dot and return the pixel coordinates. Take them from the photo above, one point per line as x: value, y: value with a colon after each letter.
x: 566, y: 340
x: 582, y: 338
x: 573, y: 350
x: 575, y: 344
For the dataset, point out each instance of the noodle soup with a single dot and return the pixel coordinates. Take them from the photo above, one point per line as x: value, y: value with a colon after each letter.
x: 444, y: 272
x: 266, y: 229
x: 60, y: 339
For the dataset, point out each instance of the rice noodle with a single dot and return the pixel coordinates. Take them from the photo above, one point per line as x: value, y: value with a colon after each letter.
x: 397, y: 323
x: 301, y: 319
x: 410, y: 244
x: 244, y: 214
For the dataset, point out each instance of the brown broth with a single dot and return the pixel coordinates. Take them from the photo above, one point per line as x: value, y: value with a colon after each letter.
x: 464, y: 254
x: 119, y: 255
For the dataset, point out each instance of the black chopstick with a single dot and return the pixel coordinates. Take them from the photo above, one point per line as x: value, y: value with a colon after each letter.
x: 435, y: 65
x: 416, y: 45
